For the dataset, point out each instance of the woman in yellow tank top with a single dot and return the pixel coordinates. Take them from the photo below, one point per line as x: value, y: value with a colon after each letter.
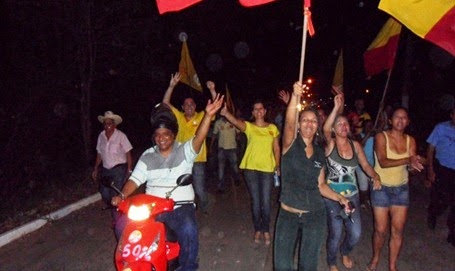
x: 395, y: 153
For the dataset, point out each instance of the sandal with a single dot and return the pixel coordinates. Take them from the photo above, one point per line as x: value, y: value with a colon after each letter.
x: 267, y: 238
x: 369, y: 268
x: 347, y: 262
x: 257, y: 237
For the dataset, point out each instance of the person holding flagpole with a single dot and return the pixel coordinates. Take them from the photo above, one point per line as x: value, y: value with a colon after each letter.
x: 302, y: 215
x: 188, y: 122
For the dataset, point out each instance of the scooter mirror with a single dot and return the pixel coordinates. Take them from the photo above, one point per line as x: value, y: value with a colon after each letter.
x: 185, y: 179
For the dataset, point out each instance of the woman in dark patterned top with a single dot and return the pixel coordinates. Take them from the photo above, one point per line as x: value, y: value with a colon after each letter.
x: 343, y: 157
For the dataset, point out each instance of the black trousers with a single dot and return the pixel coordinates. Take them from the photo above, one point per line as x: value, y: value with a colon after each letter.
x: 443, y: 194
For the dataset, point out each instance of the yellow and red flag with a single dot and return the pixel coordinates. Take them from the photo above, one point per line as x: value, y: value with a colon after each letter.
x: 252, y: 3
x: 174, y: 5
x: 381, y: 53
x: 337, y: 83
x: 433, y: 20
x: 187, y: 72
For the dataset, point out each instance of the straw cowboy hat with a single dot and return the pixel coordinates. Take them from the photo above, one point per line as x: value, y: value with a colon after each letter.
x: 110, y: 115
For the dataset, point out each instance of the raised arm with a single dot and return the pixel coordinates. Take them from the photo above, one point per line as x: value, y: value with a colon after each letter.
x: 203, y: 129
x: 290, y: 127
x: 338, y: 103
x: 284, y: 96
x: 175, y: 78
x: 240, y: 124
x: 211, y: 87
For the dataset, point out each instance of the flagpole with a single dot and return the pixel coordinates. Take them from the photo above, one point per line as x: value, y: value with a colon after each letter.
x: 306, y: 13
x: 381, y: 104
x: 304, y: 35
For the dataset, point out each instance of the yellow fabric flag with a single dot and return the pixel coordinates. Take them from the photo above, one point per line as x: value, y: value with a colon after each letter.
x: 187, y: 71
x: 337, y: 83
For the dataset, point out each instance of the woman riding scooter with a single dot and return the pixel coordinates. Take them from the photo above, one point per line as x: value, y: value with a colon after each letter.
x: 160, y: 166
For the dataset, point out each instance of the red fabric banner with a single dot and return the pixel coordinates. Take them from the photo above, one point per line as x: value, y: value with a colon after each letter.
x: 174, y: 5
x: 380, y: 55
x: 252, y: 3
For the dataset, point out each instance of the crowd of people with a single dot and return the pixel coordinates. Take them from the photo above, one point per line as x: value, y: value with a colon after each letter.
x: 332, y: 166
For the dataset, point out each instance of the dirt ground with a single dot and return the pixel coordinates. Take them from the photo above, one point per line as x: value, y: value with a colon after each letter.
x: 84, y: 241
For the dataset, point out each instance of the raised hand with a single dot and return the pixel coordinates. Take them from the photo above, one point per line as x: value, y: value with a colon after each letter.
x: 175, y: 78
x: 210, y: 85
x: 284, y: 96
x: 212, y: 107
x: 298, y: 88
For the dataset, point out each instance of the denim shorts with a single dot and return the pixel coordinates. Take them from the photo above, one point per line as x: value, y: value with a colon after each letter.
x: 390, y: 195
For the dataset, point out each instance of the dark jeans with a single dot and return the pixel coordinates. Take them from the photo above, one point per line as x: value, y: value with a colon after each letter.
x: 183, y: 222
x: 199, y: 185
x: 231, y: 156
x: 306, y: 232
x: 337, y: 225
x: 117, y: 175
x: 443, y: 195
x: 260, y: 187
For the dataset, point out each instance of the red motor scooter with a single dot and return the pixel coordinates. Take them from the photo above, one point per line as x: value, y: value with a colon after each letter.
x: 143, y: 245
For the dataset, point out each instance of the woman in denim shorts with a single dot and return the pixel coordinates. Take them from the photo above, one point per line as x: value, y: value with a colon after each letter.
x: 395, y: 153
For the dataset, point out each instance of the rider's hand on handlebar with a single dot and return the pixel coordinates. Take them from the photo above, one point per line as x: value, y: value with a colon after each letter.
x: 116, y: 200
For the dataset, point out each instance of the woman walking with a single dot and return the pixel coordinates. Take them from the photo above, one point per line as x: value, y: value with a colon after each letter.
x: 395, y: 153
x: 302, y: 216
x: 343, y: 157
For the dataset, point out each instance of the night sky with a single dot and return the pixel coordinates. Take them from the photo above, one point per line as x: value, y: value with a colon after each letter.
x: 254, y: 51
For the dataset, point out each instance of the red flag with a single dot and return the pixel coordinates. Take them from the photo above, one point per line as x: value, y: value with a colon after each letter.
x: 380, y: 55
x: 252, y: 3
x: 174, y: 5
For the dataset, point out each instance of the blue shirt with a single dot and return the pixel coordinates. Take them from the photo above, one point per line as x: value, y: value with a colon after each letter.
x: 443, y: 139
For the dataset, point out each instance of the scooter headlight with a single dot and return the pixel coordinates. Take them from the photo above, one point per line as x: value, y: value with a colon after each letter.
x: 139, y: 213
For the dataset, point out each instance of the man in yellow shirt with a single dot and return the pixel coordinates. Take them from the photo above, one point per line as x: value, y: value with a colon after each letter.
x: 188, y: 122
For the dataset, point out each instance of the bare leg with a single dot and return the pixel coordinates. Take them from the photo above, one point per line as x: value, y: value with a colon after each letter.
x: 398, y: 217
x: 381, y: 223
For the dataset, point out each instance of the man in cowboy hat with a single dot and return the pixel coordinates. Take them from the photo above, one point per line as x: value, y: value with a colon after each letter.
x: 114, y: 153
x: 160, y: 166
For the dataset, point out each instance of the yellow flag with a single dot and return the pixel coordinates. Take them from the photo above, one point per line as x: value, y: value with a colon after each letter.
x: 187, y: 71
x: 337, y: 83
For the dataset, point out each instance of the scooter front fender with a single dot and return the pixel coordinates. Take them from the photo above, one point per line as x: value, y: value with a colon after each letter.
x: 142, y: 243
